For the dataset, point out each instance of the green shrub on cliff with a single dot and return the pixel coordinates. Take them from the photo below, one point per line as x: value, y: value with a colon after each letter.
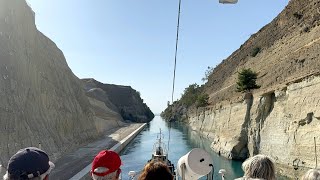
x: 171, y: 111
x: 202, y: 100
x: 247, y: 80
x: 255, y: 51
x: 190, y: 94
x: 192, y: 97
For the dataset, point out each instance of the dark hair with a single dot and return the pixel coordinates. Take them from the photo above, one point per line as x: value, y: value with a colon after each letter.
x: 156, y: 171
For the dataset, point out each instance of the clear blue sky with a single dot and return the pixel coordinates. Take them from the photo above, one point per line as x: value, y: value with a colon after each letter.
x: 132, y: 42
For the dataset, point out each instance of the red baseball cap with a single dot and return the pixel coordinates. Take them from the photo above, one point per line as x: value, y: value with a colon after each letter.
x: 107, y: 159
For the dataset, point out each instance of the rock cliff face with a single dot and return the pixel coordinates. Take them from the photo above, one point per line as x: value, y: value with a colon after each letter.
x: 281, y: 124
x: 105, y: 117
x: 288, y: 50
x: 41, y: 100
x: 282, y: 117
x: 122, y: 100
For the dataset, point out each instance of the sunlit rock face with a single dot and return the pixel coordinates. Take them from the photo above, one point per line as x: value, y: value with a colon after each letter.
x: 106, y: 116
x: 281, y: 119
x: 283, y: 124
x: 41, y: 100
x: 123, y: 100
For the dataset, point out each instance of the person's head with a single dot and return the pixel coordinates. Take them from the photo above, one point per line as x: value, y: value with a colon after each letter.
x: 29, y: 163
x: 259, y: 166
x: 312, y: 174
x: 106, y: 165
x: 156, y: 170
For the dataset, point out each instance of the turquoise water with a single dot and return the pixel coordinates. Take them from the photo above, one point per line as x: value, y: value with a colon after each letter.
x: 182, y: 140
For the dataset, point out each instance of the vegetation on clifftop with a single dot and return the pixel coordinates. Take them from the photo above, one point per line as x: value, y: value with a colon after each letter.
x: 247, y: 80
x: 192, y: 97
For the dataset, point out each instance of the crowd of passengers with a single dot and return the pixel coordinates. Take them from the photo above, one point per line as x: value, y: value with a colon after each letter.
x: 33, y: 164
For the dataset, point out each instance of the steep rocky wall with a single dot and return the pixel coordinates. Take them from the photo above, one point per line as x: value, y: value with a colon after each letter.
x: 289, y: 49
x: 287, y: 131
x: 223, y: 126
x: 106, y: 115
x: 41, y: 101
x: 121, y: 99
x: 281, y: 124
x: 282, y: 117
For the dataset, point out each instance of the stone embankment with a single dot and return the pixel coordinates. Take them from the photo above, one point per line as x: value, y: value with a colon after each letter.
x: 124, y: 139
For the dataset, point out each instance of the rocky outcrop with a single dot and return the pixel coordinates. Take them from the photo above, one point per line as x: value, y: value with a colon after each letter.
x: 41, y: 100
x: 281, y: 118
x: 121, y: 100
x: 106, y: 115
x: 288, y: 50
x: 283, y: 124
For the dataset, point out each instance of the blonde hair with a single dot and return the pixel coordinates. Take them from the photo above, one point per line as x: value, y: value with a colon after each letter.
x: 312, y: 174
x: 259, y: 166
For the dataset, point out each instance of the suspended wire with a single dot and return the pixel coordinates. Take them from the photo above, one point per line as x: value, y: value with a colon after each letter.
x: 174, y: 70
x: 176, y: 52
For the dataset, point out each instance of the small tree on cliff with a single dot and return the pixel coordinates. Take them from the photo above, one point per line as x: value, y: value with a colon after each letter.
x: 190, y: 94
x: 202, y: 100
x: 208, y: 72
x: 247, y: 80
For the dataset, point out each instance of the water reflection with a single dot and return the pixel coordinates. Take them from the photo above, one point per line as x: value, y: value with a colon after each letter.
x: 182, y: 140
x: 194, y: 139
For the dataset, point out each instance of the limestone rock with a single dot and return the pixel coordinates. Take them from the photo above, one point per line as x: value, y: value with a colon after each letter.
x: 272, y: 127
x: 41, y: 100
x: 287, y: 53
x: 120, y: 99
x: 283, y: 118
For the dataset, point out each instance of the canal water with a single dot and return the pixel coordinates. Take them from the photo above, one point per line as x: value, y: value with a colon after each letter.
x: 182, y: 140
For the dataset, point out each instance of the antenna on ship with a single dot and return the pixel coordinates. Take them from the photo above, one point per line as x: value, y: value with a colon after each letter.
x: 160, y: 137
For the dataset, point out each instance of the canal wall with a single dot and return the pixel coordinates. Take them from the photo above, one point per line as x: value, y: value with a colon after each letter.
x: 84, y: 173
x: 43, y: 102
x: 281, y: 118
x: 283, y: 124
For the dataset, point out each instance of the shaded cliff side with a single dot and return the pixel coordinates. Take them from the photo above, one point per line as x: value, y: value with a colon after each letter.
x: 41, y: 100
x: 122, y: 100
x: 283, y: 113
x: 106, y: 115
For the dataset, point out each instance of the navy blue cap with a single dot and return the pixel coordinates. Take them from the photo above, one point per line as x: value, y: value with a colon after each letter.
x: 28, y: 163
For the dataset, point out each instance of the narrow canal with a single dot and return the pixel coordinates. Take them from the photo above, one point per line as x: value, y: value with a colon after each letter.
x: 182, y: 140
